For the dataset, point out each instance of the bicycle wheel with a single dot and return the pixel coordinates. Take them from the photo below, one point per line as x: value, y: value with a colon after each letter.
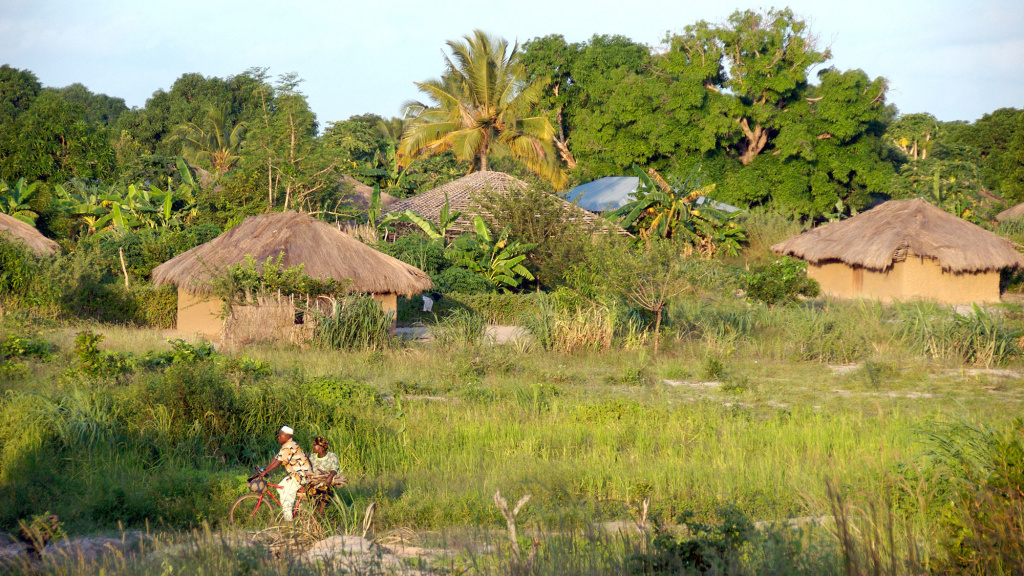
x: 249, y: 512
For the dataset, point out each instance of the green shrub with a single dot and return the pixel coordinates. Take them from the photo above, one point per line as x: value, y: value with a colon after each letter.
x: 779, y: 282
x: 419, y: 251
x: 706, y: 549
x: 457, y: 279
x: 94, y: 362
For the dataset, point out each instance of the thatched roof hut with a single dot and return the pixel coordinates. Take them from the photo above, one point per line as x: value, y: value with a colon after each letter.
x: 325, y: 251
x: 363, y: 194
x: 17, y: 231
x: 905, y: 249
x: 464, y: 195
x: 1011, y: 213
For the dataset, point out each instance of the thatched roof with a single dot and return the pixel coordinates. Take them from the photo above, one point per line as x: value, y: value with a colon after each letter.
x: 362, y: 194
x: 464, y: 195
x: 325, y: 251
x: 876, y: 238
x: 13, y: 229
x: 1012, y: 213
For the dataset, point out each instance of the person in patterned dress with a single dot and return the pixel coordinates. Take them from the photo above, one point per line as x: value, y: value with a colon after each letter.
x: 325, y: 469
x: 295, y: 463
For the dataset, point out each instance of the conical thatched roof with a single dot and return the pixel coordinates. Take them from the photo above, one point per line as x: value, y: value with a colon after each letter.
x: 362, y: 194
x: 1012, y: 213
x: 876, y: 238
x: 325, y: 251
x: 13, y: 229
x: 464, y: 194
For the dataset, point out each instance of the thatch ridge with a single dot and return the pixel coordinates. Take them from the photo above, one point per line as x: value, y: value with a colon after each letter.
x: 325, y: 252
x: 874, y: 239
x: 464, y: 196
x: 13, y: 229
x: 1012, y: 213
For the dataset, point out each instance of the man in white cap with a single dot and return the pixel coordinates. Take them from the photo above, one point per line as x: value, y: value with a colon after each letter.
x: 295, y: 463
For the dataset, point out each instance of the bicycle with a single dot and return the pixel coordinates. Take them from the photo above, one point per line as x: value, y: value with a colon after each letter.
x: 257, y: 507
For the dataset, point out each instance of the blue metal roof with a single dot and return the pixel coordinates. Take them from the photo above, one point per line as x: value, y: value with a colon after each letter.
x: 604, y: 194
x: 613, y: 192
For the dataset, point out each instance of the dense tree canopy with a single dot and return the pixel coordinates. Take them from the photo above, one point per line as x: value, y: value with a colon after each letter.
x: 749, y: 105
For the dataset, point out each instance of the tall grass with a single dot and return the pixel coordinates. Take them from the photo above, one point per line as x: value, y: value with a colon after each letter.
x: 980, y: 337
x: 558, y: 327
x: 355, y: 322
x: 463, y: 327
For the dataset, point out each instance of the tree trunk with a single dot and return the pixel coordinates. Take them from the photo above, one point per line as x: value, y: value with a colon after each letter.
x: 657, y: 329
x: 756, y: 141
x: 561, y: 142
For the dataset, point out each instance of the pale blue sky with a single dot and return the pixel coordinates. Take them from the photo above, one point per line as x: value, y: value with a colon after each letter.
x: 955, y: 59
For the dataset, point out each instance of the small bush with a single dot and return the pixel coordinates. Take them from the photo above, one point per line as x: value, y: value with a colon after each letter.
x: 779, y: 282
x: 462, y: 281
x: 94, y: 362
x: 419, y: 251
x: 707, y: 548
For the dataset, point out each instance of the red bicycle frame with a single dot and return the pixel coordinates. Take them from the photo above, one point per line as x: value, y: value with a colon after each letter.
x: 265, y: 493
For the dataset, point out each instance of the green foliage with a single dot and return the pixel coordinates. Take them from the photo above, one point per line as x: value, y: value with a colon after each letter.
x: 240, y: 283
x: 463, y: 327
x: 979, y: 337
x: 22, y: 281
x: 494, y: 257
x: 671, y: 211
x: 535, y: 216
x: 456, y: 279
x: 14, y: 347
x: 418, y: 250
x: 354, y: 323
x: 779, y: 282
x: 17, y: 201
x: 706, y: 548
x: 482, y: 106
x: 146, y: 248
x: 98, y: 363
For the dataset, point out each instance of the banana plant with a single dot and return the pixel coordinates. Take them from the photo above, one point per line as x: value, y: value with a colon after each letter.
x: 445, y: 221
x: 671, y: 211
x: 496, y: 258
x: 14, y: 201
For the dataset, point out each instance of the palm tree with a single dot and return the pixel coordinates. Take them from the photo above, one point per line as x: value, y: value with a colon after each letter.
x: 482, y: 106
x: 214, y: 143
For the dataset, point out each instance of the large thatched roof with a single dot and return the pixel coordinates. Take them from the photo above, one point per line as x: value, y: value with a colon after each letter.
x: 325, y: 251
x: 464, y: 195
x: 876, y: 238
x: 13, y: 229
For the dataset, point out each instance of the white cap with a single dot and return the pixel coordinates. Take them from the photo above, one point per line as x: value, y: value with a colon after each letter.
x: 287, y: 430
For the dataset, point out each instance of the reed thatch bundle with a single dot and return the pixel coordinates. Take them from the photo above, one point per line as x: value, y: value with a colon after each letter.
x: 466, y: 193
x: 325, y: 251
x: 882, y: 235
x: 17, y: 231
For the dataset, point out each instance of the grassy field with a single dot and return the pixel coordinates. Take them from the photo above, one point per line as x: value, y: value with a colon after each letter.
x: 759, y: 409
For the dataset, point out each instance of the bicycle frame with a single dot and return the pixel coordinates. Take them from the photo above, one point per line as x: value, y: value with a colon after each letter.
x: 267, y: 493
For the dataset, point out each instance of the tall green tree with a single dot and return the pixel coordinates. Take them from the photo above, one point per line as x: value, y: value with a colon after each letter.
x: 482, y: 106
x: 18, y: 89
x: 215, y: 144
